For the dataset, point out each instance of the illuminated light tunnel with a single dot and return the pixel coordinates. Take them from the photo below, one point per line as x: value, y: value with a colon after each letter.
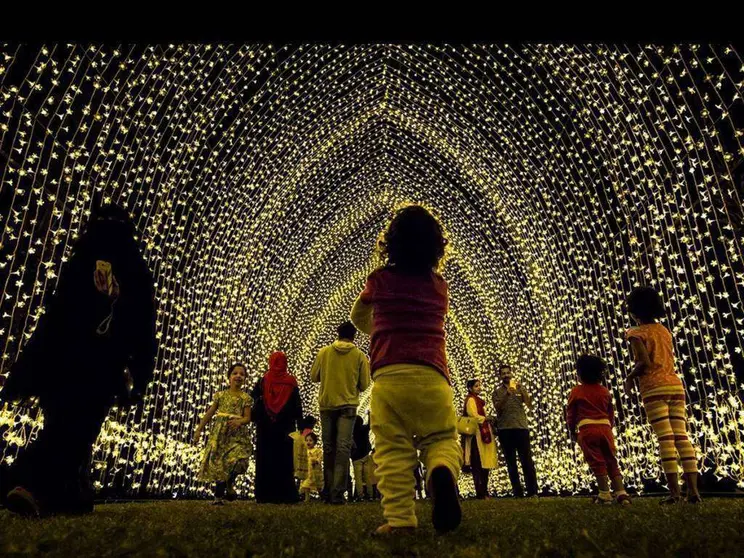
x: 261, y: 176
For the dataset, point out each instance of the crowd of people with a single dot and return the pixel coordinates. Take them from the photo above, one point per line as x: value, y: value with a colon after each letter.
x: 421, y: 444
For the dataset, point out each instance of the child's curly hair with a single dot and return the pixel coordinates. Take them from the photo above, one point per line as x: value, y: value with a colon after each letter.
x: 645, y: 303
x: 414, y: 242
x: 591, y: 369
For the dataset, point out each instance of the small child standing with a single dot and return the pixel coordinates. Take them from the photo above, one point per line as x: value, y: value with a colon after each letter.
x: 361, y: 460
x: 590, y: 410
x: 314, y: 481
x: 662, y: 391
x: 373, y: 476
x: 375, y: 495
x: 228, y: 447
x: 403, y: 308
x: 300, y: 448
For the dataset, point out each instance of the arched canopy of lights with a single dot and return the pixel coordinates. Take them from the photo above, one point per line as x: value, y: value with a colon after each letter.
x: 260, y: 177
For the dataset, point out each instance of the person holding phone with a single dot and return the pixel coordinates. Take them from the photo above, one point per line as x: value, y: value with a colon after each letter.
x: 95, y: 345
x: 509, y: 400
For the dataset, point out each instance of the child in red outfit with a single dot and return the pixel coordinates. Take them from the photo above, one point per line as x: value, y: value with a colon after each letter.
x: 590, y: 411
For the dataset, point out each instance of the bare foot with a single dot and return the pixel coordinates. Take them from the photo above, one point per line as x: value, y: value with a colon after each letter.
x: 388, y: 530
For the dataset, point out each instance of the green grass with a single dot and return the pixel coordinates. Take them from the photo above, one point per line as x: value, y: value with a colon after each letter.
x: 548, y: 527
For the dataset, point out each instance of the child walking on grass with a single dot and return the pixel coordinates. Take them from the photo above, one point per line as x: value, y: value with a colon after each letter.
x: 306, y: 426
x: 228, y: 447
x: 361, y: 460
x: 314, y: 480
x: 590, y: 411
x: 403, y: 308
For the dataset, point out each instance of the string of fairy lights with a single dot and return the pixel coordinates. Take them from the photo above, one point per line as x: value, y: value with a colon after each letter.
x: 260, y: 177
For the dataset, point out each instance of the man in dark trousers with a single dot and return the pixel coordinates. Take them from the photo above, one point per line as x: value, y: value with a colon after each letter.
x: 509, y: 400
x: 95, y: 342
x: 343, y: 373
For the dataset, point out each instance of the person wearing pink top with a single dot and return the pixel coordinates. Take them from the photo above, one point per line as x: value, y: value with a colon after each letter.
x: 403, y: 307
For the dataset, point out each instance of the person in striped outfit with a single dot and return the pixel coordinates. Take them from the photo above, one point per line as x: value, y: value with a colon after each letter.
x: 661, y: 390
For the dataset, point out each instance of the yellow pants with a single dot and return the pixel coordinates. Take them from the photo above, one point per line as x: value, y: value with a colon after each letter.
x: 411, y: 409
x: 666, y: 411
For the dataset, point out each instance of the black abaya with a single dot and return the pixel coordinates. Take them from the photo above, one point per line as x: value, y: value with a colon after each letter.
x: 274, y: 449
x: 75, y: 365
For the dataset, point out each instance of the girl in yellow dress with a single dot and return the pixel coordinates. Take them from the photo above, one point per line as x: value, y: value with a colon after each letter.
x: 228, y: 447
x: 314, y: 481
x: 300, y: 449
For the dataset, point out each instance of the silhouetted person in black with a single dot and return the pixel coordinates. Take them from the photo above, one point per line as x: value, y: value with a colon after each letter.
x: 96, y: 342
x: 277, y: 409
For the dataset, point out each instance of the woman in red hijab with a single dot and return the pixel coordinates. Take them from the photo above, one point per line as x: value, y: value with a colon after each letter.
x: 277, y: 411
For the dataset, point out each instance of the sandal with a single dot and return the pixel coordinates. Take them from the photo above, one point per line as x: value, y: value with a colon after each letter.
x: 388, y: 530
x: 624, y: 500
x: 21, y: 501
x: 670, y: 501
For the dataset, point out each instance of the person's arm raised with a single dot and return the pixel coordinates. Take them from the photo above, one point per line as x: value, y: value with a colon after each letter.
x: 361, y: 316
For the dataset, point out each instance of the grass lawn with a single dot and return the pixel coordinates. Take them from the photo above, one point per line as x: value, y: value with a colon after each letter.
x: 547, y: 527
